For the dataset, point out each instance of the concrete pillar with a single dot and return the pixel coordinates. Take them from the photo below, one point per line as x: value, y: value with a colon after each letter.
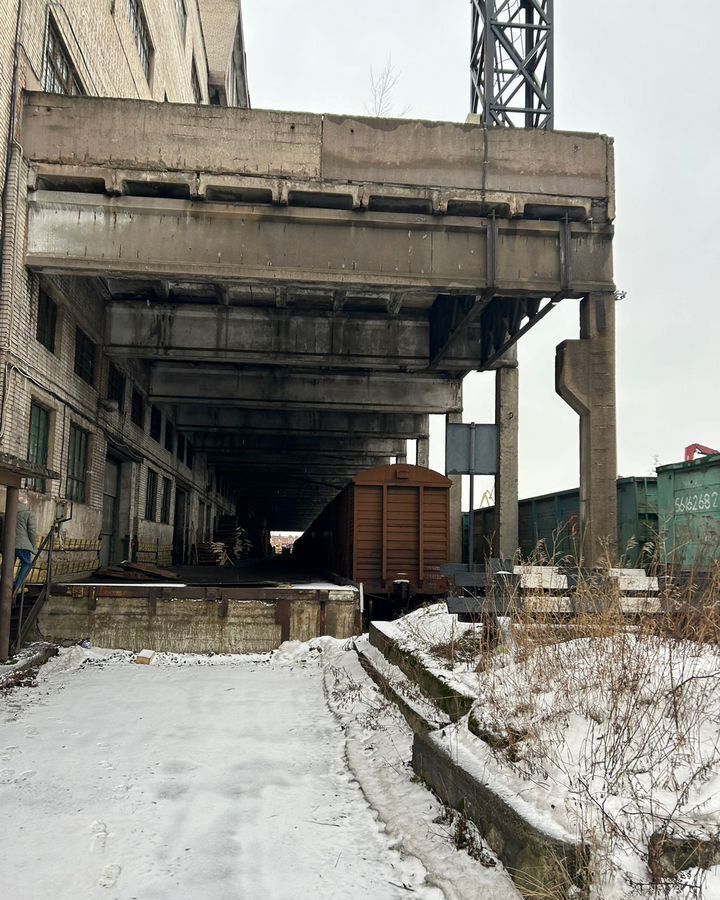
x: 401, y: 458
x: 8, y: 569
x: 456, y: 528
x: 507, y: 389
x: 585, y: 379
x: 423, y: 452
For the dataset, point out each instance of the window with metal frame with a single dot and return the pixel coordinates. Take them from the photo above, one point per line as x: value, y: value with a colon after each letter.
x: 155, y: 423
x: 77, y: 464
x: 197, y: 93
x: 151, y: 495
x: 141, y: 33
x: 84, y: 356
x: 182, y: 16
x: 46, y: 320
x: 165, y: 500
x: 38, y: 442
x: 116, y: 386
x: 60, y: 75
x: 137, y: 409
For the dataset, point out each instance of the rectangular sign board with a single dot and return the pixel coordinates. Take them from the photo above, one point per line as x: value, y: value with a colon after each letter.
x: 471, y: 449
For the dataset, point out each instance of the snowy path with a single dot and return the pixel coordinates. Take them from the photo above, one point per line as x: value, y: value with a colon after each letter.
x: 197, y: 782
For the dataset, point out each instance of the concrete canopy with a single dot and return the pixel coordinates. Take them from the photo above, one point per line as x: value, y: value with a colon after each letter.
x: 307, y: 289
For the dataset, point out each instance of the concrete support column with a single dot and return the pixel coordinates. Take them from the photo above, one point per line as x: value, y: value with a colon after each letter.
x: 423, y: 452
x: 507, y: 390
x: 456, y: 529
x: 8, y: 569
x: 401, y: 457
x: 585, y: 379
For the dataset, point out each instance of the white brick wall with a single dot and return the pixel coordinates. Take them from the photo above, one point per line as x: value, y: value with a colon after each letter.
x: 99, y: 41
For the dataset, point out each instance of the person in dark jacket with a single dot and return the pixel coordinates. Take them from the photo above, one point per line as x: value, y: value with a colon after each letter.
x: 25, y: 539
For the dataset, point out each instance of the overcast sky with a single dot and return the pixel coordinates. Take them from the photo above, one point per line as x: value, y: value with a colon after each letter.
x: 627, y: 68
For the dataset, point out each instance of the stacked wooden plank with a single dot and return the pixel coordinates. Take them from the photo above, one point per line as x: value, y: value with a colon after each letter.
x: 213, y: 553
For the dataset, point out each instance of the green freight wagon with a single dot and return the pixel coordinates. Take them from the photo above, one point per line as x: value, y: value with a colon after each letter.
x: 689, y: 513
x: 549, y: 524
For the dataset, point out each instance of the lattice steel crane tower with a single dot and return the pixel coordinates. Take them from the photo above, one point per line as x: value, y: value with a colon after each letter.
x: 512, y: 62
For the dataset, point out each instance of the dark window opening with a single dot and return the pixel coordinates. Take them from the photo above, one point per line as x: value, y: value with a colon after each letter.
x: 181, y: 447
x: 38, y: 442
x: 84, y: 356
x: 60, y: 75
x: 155, y: 423
x: 189, y: 456
x: 116, y: 386
x: 46, y: 321
x: 165, y: 501
x: 77, y: 464
x: 137, y: 409
x: 141, y: 33
x: 151, y: 495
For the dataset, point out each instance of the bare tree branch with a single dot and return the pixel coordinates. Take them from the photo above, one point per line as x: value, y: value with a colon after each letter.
x: 382, y: 87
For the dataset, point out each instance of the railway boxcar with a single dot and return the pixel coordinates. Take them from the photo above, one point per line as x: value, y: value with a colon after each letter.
x: 689, y: 513
x: 549, y: 523
x: 390, y: 524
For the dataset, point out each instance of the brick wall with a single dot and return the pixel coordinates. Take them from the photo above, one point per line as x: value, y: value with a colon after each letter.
x: 99, y: 41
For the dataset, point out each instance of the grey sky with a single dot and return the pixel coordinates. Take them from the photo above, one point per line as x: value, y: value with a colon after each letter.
x: 624, y: 68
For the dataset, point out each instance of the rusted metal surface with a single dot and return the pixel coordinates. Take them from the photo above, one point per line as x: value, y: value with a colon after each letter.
x: 390, y: 523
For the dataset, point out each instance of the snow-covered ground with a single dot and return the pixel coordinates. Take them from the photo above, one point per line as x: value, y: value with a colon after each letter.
x: 220, y: 778
x: 610, y: 738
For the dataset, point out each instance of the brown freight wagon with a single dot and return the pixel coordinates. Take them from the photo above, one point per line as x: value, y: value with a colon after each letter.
x: 390, y: 524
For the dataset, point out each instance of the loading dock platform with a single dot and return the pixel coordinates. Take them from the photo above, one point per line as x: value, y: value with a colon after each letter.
x: 251, y: 609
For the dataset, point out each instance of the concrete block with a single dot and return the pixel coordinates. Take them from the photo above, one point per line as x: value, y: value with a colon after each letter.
x: 145, y: 657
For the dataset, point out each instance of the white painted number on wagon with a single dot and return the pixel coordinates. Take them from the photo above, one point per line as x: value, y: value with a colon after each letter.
x: 697, y: 502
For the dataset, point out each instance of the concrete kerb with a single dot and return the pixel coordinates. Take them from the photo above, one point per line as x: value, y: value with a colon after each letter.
x: 421, y: 715
x: 449, y: 700
x: 540, y: 864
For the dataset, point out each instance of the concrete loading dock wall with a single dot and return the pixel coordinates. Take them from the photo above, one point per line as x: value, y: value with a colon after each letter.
x: 197, y: 620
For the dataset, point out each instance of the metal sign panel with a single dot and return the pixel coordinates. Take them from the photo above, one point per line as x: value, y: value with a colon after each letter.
x: 471, y: 449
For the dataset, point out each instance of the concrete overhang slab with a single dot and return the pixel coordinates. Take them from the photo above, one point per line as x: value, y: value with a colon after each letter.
x: 272, y: 388
x: 174, y: 239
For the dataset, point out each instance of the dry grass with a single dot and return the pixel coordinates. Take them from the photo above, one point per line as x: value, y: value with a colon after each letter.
x: 624, y: 712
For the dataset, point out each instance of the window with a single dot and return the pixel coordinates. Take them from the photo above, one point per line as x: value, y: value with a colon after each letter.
x: 151, y: 495
x: 155, y: 423
x: 116, y: 386
x: 84, y: 356
x: 60, y: 76
x: 165, y: 500
x: 77, y: 464
x: 181, y: 447
x: 46, y: 321
x: 182, y: 16
x: 189, y: 458
x: 169, y: 436
x: 137, y: 409
x: 197, y: 93
x: 141, y: 32
x: 38, y: 442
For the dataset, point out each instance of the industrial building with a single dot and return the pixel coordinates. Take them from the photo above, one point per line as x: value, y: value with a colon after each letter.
x: 209, y: 309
